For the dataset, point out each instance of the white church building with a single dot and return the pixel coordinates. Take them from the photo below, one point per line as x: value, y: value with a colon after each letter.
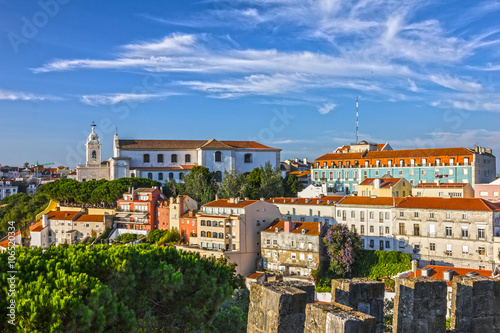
x: 162, y: 160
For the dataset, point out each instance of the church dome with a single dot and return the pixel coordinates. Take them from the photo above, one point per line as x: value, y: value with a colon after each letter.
x: 93, y: 137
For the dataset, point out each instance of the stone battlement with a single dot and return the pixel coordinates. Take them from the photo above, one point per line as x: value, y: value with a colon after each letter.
x: 357, y: 306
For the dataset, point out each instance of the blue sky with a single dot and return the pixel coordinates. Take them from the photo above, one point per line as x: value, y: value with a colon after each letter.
x: 285, y: 73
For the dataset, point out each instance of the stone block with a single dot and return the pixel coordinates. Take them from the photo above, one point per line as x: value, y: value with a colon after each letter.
x: 336, y: 317
x: 420, y: 305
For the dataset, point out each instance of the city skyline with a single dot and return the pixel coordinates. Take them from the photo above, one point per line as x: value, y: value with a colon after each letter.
x: 283, y: 73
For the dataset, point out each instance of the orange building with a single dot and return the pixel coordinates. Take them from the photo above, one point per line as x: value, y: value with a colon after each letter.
x: 138, y: 209
x: 187, y: 225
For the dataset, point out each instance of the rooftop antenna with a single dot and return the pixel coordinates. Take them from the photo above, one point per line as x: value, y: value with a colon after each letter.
x: 356, y: 119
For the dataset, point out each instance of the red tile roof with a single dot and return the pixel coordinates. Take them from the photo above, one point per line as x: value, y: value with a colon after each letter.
x: 385, y: 182
x: 369, y: 201
x: 437, y: 272
x: 37, y: 227
x: 189, y: 144
x: 307, y: 201
x: 313, y: 228
x: 90, y: 218
x: 476, y: 204
x: 226, y: 203
x: 300, y: 174
x: 188, y: 215
x: 255, y: 275
x: 426, y: 152
x: 62, y: 215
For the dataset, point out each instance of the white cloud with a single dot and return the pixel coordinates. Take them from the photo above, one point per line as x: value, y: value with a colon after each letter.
x: 413, y: 87
x: 110, y: 99
x: 457, y: 84
x: 326, y: 108
x: 290, y: 141
x: 174, y: 44
x: 23, y: 96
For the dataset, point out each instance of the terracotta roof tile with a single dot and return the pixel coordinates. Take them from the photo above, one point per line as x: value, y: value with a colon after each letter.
x: 437, y: 272
x: 188, y: 215
x: 441, y: 185
x: 313, y: 228
x: 62, y: 215
x: 385, y: 182
x: 188, y: 144
x: 37, y: 227
x: 448, y: 203
x: 399, y: 153
x: 90, y: 218
x: 255, y: 275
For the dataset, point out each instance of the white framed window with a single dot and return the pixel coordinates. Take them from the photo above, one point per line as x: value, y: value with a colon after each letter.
x: 302, y: 256
x: 294, y: 255
x: 310, y: 257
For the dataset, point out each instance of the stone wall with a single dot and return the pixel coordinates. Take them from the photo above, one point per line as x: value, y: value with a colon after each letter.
x: 357, y: 306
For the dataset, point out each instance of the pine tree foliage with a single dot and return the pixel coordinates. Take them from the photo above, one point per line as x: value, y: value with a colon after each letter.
x: 105, y: 288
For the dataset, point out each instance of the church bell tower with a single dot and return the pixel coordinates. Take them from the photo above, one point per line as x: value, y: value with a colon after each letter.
x: 93, y: 147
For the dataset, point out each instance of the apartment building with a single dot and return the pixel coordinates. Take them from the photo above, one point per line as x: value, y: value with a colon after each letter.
x: 372, y: 218
x: 308, y: 209
x: 489, y: 191
x: 385, y: 187
x: 439, y: 189
x: 137, y: 209
x: 448, y: 231
x: 345, y: 169
x: 7, y: 188
x: 233, y: 226
x: 180, y: 206
x: 188, y: 225
x: 293, y: 248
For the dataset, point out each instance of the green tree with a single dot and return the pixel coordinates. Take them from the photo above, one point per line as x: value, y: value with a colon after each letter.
x: 200, y: 185
x: 172, y: 236
x: 271, y: 184
x: 291, y: 186
x: 126, y: 238
x: 234, y: 185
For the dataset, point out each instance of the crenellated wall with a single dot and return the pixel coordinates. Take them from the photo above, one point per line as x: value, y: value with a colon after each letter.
x: 357, y: 306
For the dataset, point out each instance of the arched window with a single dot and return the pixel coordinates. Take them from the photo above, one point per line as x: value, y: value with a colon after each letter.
x: 218, y: 176
x: 150, y: 175
x: 160, y: 176
x: 170, y: 175
x: 145, y: 158
x: 181, y: 175
x: 209, y: 234
x: 221, y: 235
x: 132, y: 175
x: 202, y: 222
x: 187, y: 158
x: 218, y: 156
x: 160, y: 158
x: 209, y: 223
x: 215, y: 223
x: 248, y: 158
x: 94, y: 154
x: 214, y: 235
x: 173, y: 158
x: 203, y: 234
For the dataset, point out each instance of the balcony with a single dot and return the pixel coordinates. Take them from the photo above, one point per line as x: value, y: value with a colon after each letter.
x: 448, y: 253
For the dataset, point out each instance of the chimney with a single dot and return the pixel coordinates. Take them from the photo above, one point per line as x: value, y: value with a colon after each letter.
x: 262, y: 199
x: 45, y: 220
x: 305, y: 161
x: 171, y: 199
x: 448, y: 275
x: 247, y: 198
x: 489, y: 151
x: 376, y: 183
x: 216, y: 197
x: 414, y: 267
x: 133, y: 190
x: 438, y: 182
x: 289, y: 226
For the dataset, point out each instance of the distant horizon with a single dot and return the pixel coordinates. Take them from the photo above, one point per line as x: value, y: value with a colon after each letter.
x: 283, y: 73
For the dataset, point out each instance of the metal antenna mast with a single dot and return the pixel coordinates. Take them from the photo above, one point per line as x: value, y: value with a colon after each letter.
x: 356, y: 119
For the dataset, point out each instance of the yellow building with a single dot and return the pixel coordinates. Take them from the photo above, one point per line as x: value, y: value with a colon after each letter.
x: 385, y: 187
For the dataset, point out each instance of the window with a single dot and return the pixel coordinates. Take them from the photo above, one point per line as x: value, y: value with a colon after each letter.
x: 170, y: 175
x: 94, y: 154
x: 275, y: 254
x: 150, y: 175
x: 464, y: 216
x: 431, y: 215
x: 402, y: 229
x: 401, y: 244
x: 145, y: 158
x: 309, y: 257
x: 466, y: 171
x: 448, y: 232
x: 412, y: 172
x: 301, y: 245
x: 432, y: 246
x: 362, y: 230
x: 387, y: 216
x: 401, y: 214
x: 465, y: 232
x: 173, y: 158
x: 416, y: 230
x: 481, y: 233
x: 448, y: 216
x: 387, y: 230
x: 209, y: 223
x: 181, y: 175
x: 415, y: 214
x: 362, y: 216
x: 275, y: 242
x: 381, y: 216
x: 423, y: 172
x: 465, y: 249
x: 187, y: 158
x: 371, y: 229
x: 376, y: 173
x: 214, y: 235
x: 248, y: 158
x: 218, y: 156
x: 203, y: 234
x: 160, y: 176
x: 353, y: 214
x: 159, y: 158
x: 372, y: 215
x: 294, y: 255
x: 481, y: 250
x: 372, y: 243
x: 302, y: 256
x: 450, y: 171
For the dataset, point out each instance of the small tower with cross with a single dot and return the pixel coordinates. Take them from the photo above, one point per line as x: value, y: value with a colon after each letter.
x: 93, y: 148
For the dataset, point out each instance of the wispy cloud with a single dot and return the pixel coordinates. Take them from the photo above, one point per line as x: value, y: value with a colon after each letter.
x: 466, y: 84
x: 290, y: 141
x: 326, y: 108
x: 23, y: 96
x: 110, y: 99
